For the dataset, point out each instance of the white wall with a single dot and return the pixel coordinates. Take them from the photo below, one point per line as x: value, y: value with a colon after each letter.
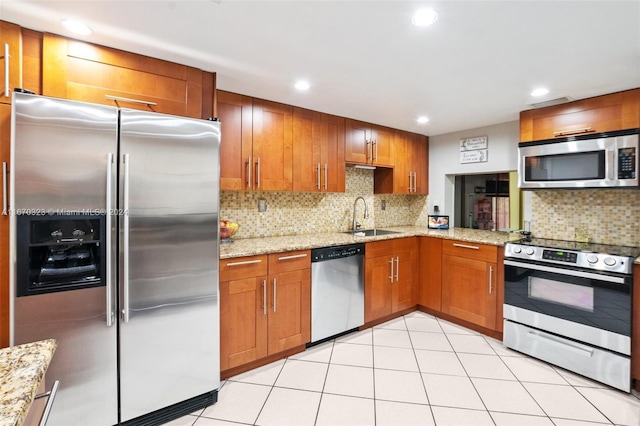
x: 444, y: 160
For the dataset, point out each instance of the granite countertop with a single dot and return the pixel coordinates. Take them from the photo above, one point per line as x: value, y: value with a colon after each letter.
x: 22, y: 368
x: 266, y: 245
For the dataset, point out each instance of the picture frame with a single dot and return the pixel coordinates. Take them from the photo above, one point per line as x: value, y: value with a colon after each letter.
x: 438, y: 222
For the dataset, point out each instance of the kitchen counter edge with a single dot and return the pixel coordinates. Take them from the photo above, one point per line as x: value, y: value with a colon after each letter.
x: 267, y: 245
x: 22, y: 369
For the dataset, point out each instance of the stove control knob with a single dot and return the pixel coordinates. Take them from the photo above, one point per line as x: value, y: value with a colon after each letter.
x: 592, y: 258
x: 529, y: 251
x: 609, y: 261
x: 517, y: 249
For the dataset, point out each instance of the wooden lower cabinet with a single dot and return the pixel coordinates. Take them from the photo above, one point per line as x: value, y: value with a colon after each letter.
x: 390, y: 273
x: 265, y: 306
x: 430, y: 289
x: 469, y: 282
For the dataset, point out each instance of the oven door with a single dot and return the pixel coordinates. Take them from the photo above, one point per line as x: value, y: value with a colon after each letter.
x: 591, y: 307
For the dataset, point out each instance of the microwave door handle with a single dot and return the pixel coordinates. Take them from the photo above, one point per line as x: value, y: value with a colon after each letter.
x: 611, y: 165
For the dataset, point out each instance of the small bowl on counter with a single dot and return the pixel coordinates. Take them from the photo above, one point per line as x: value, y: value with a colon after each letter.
x: 227, y: 230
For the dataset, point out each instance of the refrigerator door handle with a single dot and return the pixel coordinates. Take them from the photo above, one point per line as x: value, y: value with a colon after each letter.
x: 125, y: 242
x: 108, y: 241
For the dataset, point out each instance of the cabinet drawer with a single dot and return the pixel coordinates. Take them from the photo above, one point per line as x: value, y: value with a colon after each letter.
x: 289, y: 261
x: 470, y: 250
x: 378, y: 248
x: 243, y: 267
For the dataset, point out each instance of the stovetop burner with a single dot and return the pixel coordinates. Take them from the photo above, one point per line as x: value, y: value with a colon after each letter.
x: 601, y: 257
x: 614, y: 250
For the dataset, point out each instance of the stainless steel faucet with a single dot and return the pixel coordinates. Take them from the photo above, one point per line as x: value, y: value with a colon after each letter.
x: 356, y: 224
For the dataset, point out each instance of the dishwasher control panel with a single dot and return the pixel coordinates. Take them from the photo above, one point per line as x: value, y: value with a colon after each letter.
x: 338, y: 252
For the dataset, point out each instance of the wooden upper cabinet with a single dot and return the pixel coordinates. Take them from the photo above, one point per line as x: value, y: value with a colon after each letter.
x: 318, y: 152
x: 87, y: 72
x: 411, y: 164
x: 11, y: 53
x: 236, y: 117
x: 272, y: 146
x: 616, y: 111
x: 369, y: 144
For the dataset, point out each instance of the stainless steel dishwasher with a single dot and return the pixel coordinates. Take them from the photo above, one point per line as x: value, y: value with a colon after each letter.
x: 337, y: 290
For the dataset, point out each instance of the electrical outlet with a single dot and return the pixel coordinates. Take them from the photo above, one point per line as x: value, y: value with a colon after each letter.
x: 383, y: 204
x: 262, y: 205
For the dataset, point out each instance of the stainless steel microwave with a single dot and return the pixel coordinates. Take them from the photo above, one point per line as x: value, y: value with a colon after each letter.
x: 604, y: 160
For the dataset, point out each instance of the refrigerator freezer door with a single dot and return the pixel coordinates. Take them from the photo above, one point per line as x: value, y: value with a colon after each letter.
x: 169, y: 332
x: 60, y: 163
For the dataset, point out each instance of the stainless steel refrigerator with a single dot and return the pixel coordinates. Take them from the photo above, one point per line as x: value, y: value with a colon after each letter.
x: 114, y: 253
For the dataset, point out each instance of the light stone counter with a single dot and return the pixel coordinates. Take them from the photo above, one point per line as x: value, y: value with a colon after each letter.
x: 22, y: 368
x: 266, y: 245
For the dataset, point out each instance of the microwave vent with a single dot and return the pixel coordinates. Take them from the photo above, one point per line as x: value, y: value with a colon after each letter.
x: 551, y: 102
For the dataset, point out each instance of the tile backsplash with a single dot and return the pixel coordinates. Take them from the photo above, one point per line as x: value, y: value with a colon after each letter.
x: 605, y: 216
x: 290, y: 213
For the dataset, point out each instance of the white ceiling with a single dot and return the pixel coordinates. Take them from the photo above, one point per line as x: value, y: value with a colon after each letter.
x: 474, y: 67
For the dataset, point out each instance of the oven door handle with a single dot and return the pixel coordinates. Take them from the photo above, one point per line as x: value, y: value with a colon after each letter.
x: 581, y: 274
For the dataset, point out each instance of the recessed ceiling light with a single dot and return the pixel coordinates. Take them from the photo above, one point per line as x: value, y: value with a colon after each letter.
x: 424, y: 17
x: 76, y: 27
x: 302, y: 85
x: 541, y: 91
x: 422, y: 119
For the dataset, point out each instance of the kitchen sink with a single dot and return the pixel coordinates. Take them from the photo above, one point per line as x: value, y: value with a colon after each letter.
x: 371, y: 232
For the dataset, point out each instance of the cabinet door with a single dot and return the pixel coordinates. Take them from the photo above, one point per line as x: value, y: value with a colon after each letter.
x: 235, y: 114
x: 243, y: 321
x: 403, y: 288
x: 11, y: 53
x: 88, y: 72
x: 420, y: 163
x: 272, y: 145
x: 468, y: 290
x: 357, y: 143
x: 377, y: 288
x: 616, y: 111
x: 402, y: 171
x: 382, y: 145
x: 307, y: 140
x: 289, y: 310
x: 5, y: 143
x: 332, y: 153
x: 430, y: 282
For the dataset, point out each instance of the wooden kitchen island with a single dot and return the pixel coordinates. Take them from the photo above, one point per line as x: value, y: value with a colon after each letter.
x: 22, y: 370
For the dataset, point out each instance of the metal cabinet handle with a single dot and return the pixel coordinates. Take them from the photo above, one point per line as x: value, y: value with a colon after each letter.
x: 573, y: 132
x: 415, y: 181
x: 5, y: 203
x: 108, y: 277
x: 275, y: 285
x: 367, y: 143
x: 249, y: 167
x: 136, y: 101
x: 326, y: 176
x: 391, y: 276
x: 6, y: 70
x: 374, y: 156
x: 466, y: 246
x: 293, y: 256
x: 397, y: 268
x: 264, y: 297
x: 490, y: 279
x: 258, y: 178
x: 125, y: 263
x: 51, y: 396
x: 244, y: 262
x: 318, y: 176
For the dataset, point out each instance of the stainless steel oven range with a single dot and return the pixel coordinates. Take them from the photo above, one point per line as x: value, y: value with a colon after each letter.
x: 569, y: 304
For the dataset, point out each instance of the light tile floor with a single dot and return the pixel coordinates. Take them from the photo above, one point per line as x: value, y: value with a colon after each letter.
x: 414, y: 370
